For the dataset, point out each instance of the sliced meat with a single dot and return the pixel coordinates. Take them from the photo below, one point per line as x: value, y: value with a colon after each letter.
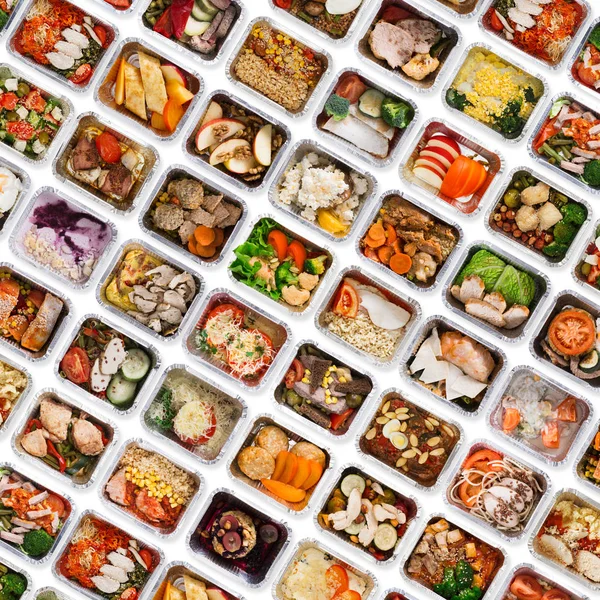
x: 515, y: 316
x: 105, y: 584
x: 55, y: 418
x: 317, y: 367
x: 85, y: 155
x: 555, y: 549
x: 202, y: 46
x: 496, y: 299
x: 211, y: 202
x: 87, y: 438
x: 521, y: 18
x: 530, y: 8
x: 209, y: 34
x: 119, y: 560
x: 554, y: 357
x: 392, y: 44
x: 484, y: 311
x: 116, y: 488
x: 118, y: 181
x: 115, y: 573
x: 186, y: 231
x: 221, y: 4
x: 318, y: 398
x: 588, y: 564
x: 34, y: 443
x: 234, y: 213
x: 425, y: 33
x: 472, y: 287
x: 226, y: 22
x: 150, y: 506
x: 188, y: 191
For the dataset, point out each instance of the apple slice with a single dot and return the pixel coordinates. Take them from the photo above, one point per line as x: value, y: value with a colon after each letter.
x: 262, y: 147
x: 173, y: 73
x: 215, y: 594
x: 214, y: 111
x: 226, y: 127
x: 440, y: 154
x: 224, y: 149
x: 240, y: 166
x: 428, y: 175
x: 432, y: 163
x: 178, y: 92
x: 443, y: 141
x: 157, y: 121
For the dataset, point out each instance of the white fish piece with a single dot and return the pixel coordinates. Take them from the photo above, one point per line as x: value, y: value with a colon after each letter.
x: 75, y: 37
x: 68, y: 48
x: 106, y: 584
x: 115, y: 573
x: 530, y: 8
x: 60, y: 61
x: 378, y: 124
x: 521, y: 18
x: 360, y: 134
x: 120, y: 560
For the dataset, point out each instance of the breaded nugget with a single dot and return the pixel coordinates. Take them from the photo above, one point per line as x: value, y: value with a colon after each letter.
x: 256, y: 463
x: 272, y: 439
x: 310, y: 452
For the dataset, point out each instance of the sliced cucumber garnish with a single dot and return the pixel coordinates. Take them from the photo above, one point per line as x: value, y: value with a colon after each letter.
x: 386, y: 537
x: 354, y: 528
x: 136, y: 365
x: 350, y: 482
x: 121, y: 392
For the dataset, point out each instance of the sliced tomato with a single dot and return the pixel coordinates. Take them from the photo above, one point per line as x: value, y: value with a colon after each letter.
x: 481, y: 459
x: 237, y: 314
x: 34, y: 101
x: 82, y: 74
x: 146, y: 556
x: 586, y: 75
x: 567, y: 410
x: 336, y: 579
x: 551, y: 435
x: 56, y: 504
x: 279, y: 241
x: 298, y: 253
x: 511, y: 419
x: 526, y: 587
x: 20, y: 129
x: 495, y: 22
x: 572, y: 332
x: 593, y: 275
x: 351, y: 87
x: 394, y: 13
x: 555, y: 593
x: 546, y: 132
x: 294, y: 373
x: 336, y: 421
x: 108, y: 147
x: 76, y: 365
x: 9, y: 101
x: 101, y: 34
x: 348, y: 595
x: 129, y: 594
x: 285, y: 4
x: 346, y: 301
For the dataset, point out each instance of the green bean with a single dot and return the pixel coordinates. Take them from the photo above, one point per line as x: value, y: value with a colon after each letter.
x: 50, y: 460
x: 6, y: 511
x: 6, y: 523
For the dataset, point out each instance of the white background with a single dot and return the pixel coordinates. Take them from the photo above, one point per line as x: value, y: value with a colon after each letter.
x: 215, y: 476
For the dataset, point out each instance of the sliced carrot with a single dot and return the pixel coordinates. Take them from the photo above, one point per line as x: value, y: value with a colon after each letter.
x: 192, y: 246
x: 279, y: 464
x: 289, y: 471
x: 373, y: 243
x: 316, y: 470
x: 390, y: 234
x: 397, y: 248
x: 376, y: 231
x: 204, y: 235
x: 384, y: 254
x: 371, y: 253
x: 219, y: 237
x: 302, y: 473
x: 400, y: 263
x: 512, y: 417
x: 284, y: 491
x: 205, y: 251
x: 597, y: 441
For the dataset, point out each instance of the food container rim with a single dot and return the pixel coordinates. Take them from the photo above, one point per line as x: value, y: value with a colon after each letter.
x: 307, y: 145
x: 201, y: 377
x: 404, y: 135
x: 510, y: 259
x: 11, y: 18
x: 147, y: 205
x: 18, y: 404
x: 579, y: 457
x: 24, y: 218
x: 410, y: 596
x: 255, y: 93
x: 452, y: 457
x: 22, y: 198
x: 510, y: 240
x: 380, y: 284
x: 370, y: 217
x: 456, y: 14
x: 29, y: 589
x: 137, y: 339
x: 515, y: 63
x: 103, y: 121
x: 269, y: 119
x: 581, y: 246
x: 112, y: 264
x: 73, y: 403
x: 497, y: 398
x: 412, y: 348
x: 419, y: 11
x: 191, y: 325
x: 150, y: 447
x: 578, y: 48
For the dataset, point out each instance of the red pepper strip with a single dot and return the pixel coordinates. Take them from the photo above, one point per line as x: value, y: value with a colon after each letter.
x: 99, y: 428
x: 61, y: 461
x: 164, y: 25
x: 180, y: 13
x: 32, y: 422
x: 338, y: 420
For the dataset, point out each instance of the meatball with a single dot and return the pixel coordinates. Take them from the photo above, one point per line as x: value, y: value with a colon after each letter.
x: 168, y: 216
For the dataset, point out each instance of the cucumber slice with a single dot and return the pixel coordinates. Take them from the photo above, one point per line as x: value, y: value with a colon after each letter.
x: 200, y: 14
x: 370, y: 103
x: 350, y: 482
x: 136, y: 365
x: 386, y: 537
x: 121, y: 392
x: 195, y: 27
x: 354, y: 528
x: 589, y: 363
x: 208, y: 7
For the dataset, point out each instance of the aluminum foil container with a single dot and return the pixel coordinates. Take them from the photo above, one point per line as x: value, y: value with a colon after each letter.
x: 29, y: 589
x: 284, y: 407
x: 12, y: 17
x: 479, y: 198
x: 170, y: 438
x: 530, y: 570
x: 455, y: 426
x: 15, y: 240
x: 111, y: 270
x: 496, y: 579
x: 46, y: 591
x: 400, y: 136
x: 560, y: 301
x: 174, y: 572
x: 147, y: 226
x: 68, y: 502
x: 478, y: 46
x: 21, y: 198
x: 578, y: 276
x: 61, y: 170
x: 578, y: 466
x: 387, y: 594
x: 296, y: 154
x: 488, y: 219
x: 579, y: 499
x: 541, y: 159
x: 148, y: 348
x: 309, y: 544
x: 542, y: 291
x: 408, y: 304
x: 117, y: 10
x: 485, y: 26
x: 103, y: 92
x: 11, y: 46
x: 415, y: 285
x: 411, y: 503
x: 540, y: 476
x: 110, y: 430
x: 154, y: 550
x: 494, y: 416
x: 189, y: 141
x: 575, y: 54
x: 324, y: 56
x: 61, y: 323
x: 66, y: 107
x: 236, y: 501
x: 185, y: 49
x: 460, y: 10
x: 444, y: 324
x: 429, y: 83
x: 318, y: 248
x: 277, y: 330
x: 248, y: 437
x: 162, y: 532
x: 21, y: 400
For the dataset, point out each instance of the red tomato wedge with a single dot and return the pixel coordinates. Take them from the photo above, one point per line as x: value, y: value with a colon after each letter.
x: 108, y: 147
x: 279, y: 241
x: 346, y: 301
x: 76, y: 365
x: 351, y: 87
x: 298, y: 253
x: 526, y: 587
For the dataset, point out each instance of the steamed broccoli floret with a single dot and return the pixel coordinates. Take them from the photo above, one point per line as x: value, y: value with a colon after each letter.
x: 396, y: 113
x: 337, y: 107
x: 573, y: 213
x: 591, y: 173
x: 510, y: 123
x: 594, y: 38
x: 555, y: 250
x: 564, y: 233
x: 284, y: 276
x: 457, y: 100
x: 12, y: 586
x: 37, y: 542
x: 315, y: 266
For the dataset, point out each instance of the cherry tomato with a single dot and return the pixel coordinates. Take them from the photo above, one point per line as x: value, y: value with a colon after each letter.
x: 9, y: 101
x: 108, y: 147
x: 237, y: 314
x: 295, y: 373
x: 130, y: 593
x: 146, y: 556
x: 394, y: 13
x: 34, y: 101
x: 285, y: 4
x: 336, y: 578
x: 82, y: 74
x: 76, y: 365
x: 20, y: 129
x: 56, y: 504
x: 346, y: 301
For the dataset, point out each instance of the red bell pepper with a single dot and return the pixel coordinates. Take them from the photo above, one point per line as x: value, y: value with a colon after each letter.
x: 164, y: 25
x: 337, y: 421
x: 32, y: 422
x: 99, y: 428
x: 62, y: 465
x: 180, y: 13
